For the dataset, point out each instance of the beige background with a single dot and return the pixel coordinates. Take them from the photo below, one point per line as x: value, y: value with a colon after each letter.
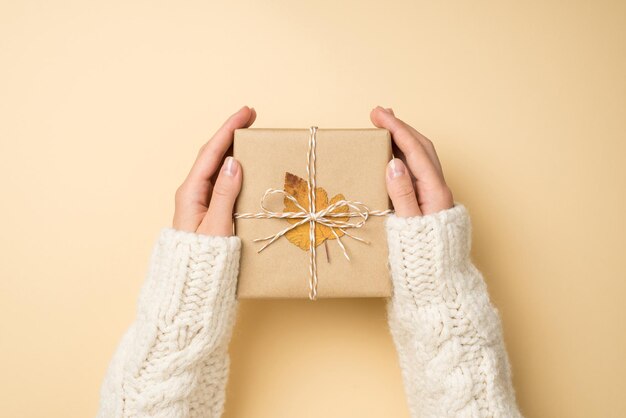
x: 103, y: 106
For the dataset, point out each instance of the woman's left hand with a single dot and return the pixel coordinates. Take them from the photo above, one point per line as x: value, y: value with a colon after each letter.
x: 204, y: 203
x: 421, y: 189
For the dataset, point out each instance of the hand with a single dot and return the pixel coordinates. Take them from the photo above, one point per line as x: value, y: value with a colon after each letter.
x: 422, y: 189
x: 203, y: 203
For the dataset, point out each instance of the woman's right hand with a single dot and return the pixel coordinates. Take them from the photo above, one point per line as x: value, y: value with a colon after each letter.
x: 205, y: 200
x: 421, y: 189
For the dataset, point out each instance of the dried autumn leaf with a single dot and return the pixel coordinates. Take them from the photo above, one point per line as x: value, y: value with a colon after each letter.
x: 299, y: 236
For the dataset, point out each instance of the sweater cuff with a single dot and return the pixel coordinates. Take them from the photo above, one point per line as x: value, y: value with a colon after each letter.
x: 188, y: 273
x: 171, y: 234
x: 426, y: 247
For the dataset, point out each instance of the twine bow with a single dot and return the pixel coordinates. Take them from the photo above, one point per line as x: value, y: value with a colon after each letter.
x: 312, y: 216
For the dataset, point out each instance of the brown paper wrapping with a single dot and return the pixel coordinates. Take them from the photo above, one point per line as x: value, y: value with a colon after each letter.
x: 348, y: 161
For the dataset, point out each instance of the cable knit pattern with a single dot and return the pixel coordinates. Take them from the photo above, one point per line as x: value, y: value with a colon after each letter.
x: 447, y: 333
x: 173, y: 360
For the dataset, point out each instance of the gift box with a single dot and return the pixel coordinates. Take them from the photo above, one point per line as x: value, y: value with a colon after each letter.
x: 320, y: 186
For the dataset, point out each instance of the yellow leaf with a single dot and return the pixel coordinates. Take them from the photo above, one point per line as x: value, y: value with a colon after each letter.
x: 299, y: 236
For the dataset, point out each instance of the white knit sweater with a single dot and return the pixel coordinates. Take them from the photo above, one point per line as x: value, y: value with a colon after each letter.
x: 173, y: 360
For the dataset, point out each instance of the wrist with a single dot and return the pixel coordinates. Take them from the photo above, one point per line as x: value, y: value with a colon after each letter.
x: 424, y: 249
x: 447, y: 229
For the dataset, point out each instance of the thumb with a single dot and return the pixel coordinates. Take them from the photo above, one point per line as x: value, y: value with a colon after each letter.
x: 219, y: 217
x: 400, y: 189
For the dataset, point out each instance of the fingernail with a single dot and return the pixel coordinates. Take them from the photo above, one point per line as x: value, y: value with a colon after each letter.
x: 395, y: 168
x: 230, y: 166
x: 390, y: 110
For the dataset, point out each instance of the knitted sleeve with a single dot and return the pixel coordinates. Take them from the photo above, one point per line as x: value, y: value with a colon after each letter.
x: 173, y: 359
x: 447, y: 333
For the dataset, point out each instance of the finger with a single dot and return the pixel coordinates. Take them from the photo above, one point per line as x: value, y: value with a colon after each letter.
x: 428, y: 146
x: 401, y: 190
x: 212, y: 152
x: 219, y: 217
x: 426, y: 143
x: 417, y: 158
x: 252, y: 118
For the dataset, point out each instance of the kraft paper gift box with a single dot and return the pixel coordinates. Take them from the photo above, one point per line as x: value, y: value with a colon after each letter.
x: 348, y: 162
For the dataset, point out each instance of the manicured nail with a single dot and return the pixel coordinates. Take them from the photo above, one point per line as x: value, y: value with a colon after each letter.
x: 230, y: 166
x: 395, y: 168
